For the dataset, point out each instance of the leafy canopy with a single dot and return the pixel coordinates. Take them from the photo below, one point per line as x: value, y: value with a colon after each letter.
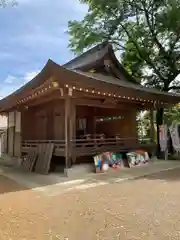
x: 146, y: 32
x: 5, y: 3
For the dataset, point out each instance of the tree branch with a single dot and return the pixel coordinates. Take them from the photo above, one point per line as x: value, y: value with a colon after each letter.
x: 174, y: 44
x: 171, y: 61
x: 154, y: 35
x: 116, y: 42
x: 148, y: 61
x: 174, y: 88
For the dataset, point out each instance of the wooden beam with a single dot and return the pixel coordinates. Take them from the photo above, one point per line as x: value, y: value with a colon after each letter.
x: 102, y: 104
x: 88, y: 95
x: 56, y: 94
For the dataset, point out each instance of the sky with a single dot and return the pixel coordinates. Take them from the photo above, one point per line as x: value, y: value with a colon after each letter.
x: 31, y: 33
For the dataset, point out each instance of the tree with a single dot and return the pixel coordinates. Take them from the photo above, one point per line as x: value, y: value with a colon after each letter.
x: 4, y: 3
x: 172, y: 114
x: 146, y: 32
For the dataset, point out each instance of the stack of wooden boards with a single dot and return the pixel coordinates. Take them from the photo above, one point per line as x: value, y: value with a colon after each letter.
x: 39, y: 159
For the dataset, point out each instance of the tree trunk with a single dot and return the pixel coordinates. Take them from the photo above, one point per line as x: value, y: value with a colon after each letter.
x: 159, y: 121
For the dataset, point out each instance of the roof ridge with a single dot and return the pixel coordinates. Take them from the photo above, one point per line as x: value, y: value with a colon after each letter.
x: 91, y: 50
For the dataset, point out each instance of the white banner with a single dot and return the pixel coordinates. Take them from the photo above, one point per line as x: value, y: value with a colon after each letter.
x: 163, y: 138
x: 175, y: 137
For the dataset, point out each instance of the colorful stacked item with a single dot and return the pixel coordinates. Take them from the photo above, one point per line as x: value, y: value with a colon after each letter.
x: 108, y: 160
x: 137, y: 158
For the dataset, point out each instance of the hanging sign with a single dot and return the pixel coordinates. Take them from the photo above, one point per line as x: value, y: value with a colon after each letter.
x: 163, y: 138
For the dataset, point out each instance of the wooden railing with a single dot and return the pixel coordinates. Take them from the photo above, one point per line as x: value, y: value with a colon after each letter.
x: 96, y: 142
x: 89, y: 146
x: 59, y: 145
x: 82, y: 142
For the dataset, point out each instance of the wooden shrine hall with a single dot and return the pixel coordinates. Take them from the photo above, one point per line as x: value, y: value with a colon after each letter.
x: 85, y: 107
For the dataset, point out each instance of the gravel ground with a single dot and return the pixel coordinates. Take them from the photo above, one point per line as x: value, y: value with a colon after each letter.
x: 147, y: 208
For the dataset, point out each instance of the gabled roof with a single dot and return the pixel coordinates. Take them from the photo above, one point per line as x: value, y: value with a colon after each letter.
x: 74, y: 73
x: 88, y: 57
x: 102, y: 56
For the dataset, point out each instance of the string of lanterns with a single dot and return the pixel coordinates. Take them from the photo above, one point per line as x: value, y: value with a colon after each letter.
x: 44, y: 89
x: 39, y: 92
x: 97, y: 92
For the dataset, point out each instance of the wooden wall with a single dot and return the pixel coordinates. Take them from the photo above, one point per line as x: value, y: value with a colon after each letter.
x: 14, y: 134
x: 47, y: 121
x: 59, y: 121
x: 3, y: 139
x: 44, y: 122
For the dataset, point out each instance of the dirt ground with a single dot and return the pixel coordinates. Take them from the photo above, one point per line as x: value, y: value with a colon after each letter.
x: 147, y: 208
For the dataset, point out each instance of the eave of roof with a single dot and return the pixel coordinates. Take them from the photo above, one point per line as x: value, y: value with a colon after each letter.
x: 85, y: 78
x: 115, y: 81
x: 34, y: 83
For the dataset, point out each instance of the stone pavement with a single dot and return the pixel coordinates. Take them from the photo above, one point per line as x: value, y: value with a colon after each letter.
x: 54, y: 184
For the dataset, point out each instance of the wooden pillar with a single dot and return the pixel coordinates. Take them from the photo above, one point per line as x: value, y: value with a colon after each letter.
x: 73, y: 127
x: 17, y: 134
x: 4, y: 137
x: 94, y: 120
x: 68, y: 128
x: 73, y: 119
x: 11, y: 133
x: 152, y: 132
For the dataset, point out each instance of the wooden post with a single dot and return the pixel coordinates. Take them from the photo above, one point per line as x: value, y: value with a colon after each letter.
x: 68, y: 128
x: 73, y: 127
x: 17, y: 134
x: 152, y: 132
x: 94, y: 120
x: 11, y: 133
x: 7, y: 144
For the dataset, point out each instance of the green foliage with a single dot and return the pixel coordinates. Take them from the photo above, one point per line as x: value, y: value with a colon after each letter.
x: 147, y: 33
x: 143, y: 124
x: 172, y: 114
x: 5, y: 3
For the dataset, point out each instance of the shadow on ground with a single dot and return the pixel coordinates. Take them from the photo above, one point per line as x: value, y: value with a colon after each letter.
x: 7, y: 185
x: 169, y: 175
x: 13, y: 179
